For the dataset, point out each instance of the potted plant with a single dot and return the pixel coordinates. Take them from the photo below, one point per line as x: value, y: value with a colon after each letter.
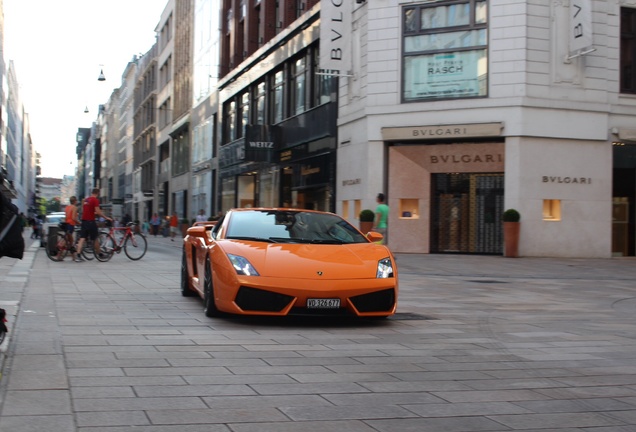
x: 366, y: 218
x: 511, y: 227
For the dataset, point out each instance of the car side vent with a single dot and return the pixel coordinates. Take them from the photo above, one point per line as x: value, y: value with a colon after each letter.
x: 251, y: 299
x: 379, y: 301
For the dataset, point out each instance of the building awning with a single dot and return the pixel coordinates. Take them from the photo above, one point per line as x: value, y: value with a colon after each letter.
x: 8, y: 190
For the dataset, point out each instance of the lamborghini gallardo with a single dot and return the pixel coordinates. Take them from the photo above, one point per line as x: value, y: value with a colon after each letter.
x: 280, y: 261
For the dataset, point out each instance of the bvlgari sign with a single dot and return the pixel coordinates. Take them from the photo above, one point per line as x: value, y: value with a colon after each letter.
x: 566, y: 180
x: 442, y: 132
x: 335, y: 40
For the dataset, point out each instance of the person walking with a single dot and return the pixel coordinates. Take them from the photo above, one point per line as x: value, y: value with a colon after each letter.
x: 201, y: 217
x: 90, y: 209
x: 24, y: 222
x: 381, y: 217
x: 174, y: 223
x: 71, y: 220
x: 155, y: 222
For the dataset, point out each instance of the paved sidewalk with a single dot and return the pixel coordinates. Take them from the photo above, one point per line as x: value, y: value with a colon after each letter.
x: 14, y: 275
x: 479, y: 343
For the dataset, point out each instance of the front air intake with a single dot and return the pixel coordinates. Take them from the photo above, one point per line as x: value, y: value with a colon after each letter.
x: 256, y: 300
x: 379, y: 301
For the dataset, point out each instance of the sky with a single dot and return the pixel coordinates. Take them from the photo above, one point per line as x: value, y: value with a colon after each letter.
x: 58, y: 49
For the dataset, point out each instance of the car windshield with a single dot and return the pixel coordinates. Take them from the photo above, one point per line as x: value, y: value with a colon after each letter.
x: 292, y: 226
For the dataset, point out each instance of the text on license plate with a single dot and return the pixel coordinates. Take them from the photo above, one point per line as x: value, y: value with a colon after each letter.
x: 323, y: 303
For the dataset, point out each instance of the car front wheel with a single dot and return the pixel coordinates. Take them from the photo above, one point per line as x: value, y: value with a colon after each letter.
x: 208, y: 292
x: 185, y: 285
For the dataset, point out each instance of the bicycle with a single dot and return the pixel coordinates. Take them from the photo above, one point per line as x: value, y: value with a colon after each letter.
x: 61, y: 247
x: 133, y: 244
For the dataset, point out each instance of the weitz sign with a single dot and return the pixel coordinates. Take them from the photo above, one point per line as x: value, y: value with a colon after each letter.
x: 335, y: 36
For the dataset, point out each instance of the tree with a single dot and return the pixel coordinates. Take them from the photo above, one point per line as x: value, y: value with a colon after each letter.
x: 53, y: 205
x: 40, y: 206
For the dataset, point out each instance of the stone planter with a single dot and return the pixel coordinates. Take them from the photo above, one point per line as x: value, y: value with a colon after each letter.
x: 511, y: 239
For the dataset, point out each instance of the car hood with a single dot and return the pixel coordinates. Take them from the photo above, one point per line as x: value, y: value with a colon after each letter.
x: 310, y: 261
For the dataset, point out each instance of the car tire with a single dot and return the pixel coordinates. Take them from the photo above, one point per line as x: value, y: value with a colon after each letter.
x: 208, y: 292
x: 185, y: 284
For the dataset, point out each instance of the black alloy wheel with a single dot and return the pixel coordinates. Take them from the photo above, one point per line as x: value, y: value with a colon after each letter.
x: 185, y: 284
x: 208, y: 292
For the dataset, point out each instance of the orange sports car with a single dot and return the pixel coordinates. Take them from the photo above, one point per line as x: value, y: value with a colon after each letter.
x: 280, y: 261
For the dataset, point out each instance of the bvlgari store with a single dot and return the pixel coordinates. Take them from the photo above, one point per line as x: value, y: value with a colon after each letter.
x: 447, y: 185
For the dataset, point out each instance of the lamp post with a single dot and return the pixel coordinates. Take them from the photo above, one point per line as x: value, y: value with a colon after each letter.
x: 101, y: 76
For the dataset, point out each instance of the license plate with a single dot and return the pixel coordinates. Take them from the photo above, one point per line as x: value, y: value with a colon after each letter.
x: 323, y: 303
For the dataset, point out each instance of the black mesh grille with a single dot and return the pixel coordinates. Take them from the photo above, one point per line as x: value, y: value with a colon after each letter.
x: 466, y: 211
x: 251, y: 299
x: 379, y: 301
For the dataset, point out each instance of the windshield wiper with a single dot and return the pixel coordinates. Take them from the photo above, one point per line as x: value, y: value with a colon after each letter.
x: 289, y: 240
x: 327, y: 241
x: 261, y: 239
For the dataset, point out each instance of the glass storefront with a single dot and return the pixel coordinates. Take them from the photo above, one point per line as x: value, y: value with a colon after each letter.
x: 228, y: 193
x: 201, y: 192
x: 466, y: 211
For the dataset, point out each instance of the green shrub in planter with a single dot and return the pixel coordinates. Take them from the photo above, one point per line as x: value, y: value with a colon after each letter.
x: 511, y: 215
x: 367, y: 215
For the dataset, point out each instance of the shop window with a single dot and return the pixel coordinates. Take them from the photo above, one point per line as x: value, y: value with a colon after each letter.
x: 259, y: 104
x: 278, y: 97
x: 324, y: 85
x: 357, y: 208
x: 345, y: 209
x: 246, y: 188
x: 628, y: 51
x: 299, y: 77
x: 269, y: 186
x: 180, y: 154
x: 202, y: 141
x: 244, y: 117
x: 409, y: 208
x: 445, y: 50
x: 551, y: 210
x: 229, y: 122
x: 228, y: 193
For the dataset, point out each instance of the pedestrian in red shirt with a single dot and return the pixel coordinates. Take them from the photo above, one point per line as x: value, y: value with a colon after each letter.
x: 90, y: 209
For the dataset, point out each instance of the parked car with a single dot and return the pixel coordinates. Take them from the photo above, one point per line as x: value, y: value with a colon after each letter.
x: 51, y: 219
x: 279, y: 261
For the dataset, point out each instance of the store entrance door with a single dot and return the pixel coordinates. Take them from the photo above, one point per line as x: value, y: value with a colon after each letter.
x: 466, y: 210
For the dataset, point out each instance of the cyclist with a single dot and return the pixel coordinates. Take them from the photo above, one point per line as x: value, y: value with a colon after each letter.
x: 72, y: 221
x: 90, y: 209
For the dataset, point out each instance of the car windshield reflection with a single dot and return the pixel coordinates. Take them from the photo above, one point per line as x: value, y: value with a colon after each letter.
x: 292, y: 226
x: 54, y: 218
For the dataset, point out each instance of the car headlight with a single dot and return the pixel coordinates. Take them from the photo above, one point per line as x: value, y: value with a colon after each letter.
x: 242, y: 265
x: 385, y: 269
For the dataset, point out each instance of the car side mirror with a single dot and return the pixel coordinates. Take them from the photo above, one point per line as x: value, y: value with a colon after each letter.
x: 374, y: 236
x: 197, y: 231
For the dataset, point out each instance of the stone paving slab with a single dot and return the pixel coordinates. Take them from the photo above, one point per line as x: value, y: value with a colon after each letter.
x: 478, y: 344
